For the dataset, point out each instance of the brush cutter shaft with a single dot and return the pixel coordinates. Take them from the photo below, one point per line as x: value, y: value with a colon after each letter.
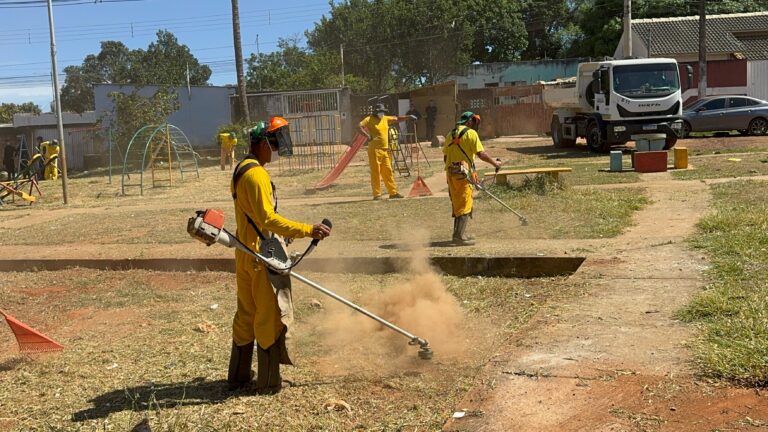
x: 522, y: 218
x: 363, y: 311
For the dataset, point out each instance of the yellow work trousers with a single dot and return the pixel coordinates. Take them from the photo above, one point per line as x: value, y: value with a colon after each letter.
x: 381, y: 169
x: 227, y: 156
x: 258, y: 315
x: 460, y: 191
x: 51, y: 171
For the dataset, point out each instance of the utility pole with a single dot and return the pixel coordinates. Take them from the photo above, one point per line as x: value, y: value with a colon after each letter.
x: 702, y: 48
x: 342, y: 65
x: 258, y: 56
x: 627, y: 28
x: 57, y: 103
x: 242, y: 95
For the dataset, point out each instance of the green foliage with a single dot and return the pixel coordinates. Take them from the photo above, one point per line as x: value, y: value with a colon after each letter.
x: 132, y: 111
x: 239, y: 129
x: 399, y: 44
x: 164, y: 62
x: 733, y: 311
x: 7, y: 110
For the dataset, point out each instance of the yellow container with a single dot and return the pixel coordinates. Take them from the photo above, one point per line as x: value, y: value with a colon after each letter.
x: 681, y: 157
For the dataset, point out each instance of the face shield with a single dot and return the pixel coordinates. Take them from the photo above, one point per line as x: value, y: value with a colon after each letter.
x: 281, y: 139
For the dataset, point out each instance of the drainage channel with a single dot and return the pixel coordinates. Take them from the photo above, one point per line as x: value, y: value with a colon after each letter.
x: 518, y: 267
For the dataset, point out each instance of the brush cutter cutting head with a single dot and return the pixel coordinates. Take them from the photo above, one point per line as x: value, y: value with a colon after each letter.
x: 425, y: 352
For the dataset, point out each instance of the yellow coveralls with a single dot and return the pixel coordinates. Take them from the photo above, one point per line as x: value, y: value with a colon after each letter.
x: 460, y: 190
x: 258, y: 313
x: 378, y: 153
x: 50, y: 150
x: 227, y: 141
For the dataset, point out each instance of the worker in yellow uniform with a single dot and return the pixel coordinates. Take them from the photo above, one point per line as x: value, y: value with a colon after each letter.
x: 264, y: 306
x: 50, y: 152
x: 462, y: 144
x: 376, y: 128
x: 227, y: 142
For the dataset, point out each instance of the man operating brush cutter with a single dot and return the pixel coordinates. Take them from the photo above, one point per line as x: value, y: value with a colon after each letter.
x: 461, y: 146
x: 264, y: 304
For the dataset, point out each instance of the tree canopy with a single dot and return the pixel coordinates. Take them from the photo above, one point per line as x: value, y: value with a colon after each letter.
x: 164, y: 62
x: 7, y: 110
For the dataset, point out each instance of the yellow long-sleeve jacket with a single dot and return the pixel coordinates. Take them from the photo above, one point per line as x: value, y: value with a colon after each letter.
x: 255, y: 198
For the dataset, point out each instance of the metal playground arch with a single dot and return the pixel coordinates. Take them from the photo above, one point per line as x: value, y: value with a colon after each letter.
x: 157, y: 148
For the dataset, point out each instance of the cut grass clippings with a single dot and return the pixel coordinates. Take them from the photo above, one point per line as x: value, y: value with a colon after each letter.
x: 733, y: 311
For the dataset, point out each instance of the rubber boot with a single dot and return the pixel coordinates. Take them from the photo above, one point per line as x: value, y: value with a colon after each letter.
x: 460, y: 236
x: 268, y: 379
x: 240, y: 373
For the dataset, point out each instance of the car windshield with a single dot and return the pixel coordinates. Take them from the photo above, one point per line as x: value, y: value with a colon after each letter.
x: 646, y: 80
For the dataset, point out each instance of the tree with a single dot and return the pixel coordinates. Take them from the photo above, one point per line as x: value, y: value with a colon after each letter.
x: 396, y: 44
x: 550, y: 28
x: 292, y: 67
x: 7, y: 110
x: 165, y: 62
x: 133, y: 111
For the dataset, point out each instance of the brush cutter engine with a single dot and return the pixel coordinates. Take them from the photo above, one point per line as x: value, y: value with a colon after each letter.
x: 208, y: 227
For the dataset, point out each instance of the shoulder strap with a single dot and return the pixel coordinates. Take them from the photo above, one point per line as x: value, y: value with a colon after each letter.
x: 461, y: 134
x: 241, y: 169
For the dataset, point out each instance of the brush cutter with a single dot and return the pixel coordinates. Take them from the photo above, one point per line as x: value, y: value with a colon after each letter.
x: 477, y: 184
x: 208, y: 227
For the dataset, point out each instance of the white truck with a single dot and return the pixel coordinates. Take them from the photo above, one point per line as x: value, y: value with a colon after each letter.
x: 609, y: 101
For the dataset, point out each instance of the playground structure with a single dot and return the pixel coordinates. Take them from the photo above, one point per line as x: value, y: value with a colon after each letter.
x: 157, y: 148
x: 29, y: 171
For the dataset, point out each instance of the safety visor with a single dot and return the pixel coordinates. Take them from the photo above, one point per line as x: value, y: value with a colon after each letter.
x: 282, y: 139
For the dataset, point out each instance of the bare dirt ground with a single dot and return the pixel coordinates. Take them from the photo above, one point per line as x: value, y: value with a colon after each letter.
x: 613, y: 359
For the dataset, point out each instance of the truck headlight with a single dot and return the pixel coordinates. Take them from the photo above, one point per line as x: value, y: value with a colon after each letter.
x: 619, y: 128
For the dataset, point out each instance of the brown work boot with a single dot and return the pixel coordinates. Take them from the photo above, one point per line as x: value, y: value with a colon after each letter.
x: 396, y: 196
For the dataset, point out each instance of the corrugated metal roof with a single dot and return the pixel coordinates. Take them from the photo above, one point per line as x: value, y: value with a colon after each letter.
x: 745, y: 34
x: 49, y: 119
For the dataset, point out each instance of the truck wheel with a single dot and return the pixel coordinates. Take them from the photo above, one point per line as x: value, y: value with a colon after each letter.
x: 670, y: 142
x: 557, y: 135
x: 595, y: 138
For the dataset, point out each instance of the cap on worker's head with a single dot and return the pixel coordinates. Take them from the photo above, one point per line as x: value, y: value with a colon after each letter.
x: 258, y: 132
x: 379, y: 108
x: 39, y: 138
x: 55, y: 141
x: 276, y: 123
x: 466, y: 116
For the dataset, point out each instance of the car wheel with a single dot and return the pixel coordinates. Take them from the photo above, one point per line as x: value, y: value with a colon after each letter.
x: 686, y: 132
x: 758, y: 126
x: 595, y: 138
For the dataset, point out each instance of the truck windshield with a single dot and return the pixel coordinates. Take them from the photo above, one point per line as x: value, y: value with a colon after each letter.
x: 646, y: 80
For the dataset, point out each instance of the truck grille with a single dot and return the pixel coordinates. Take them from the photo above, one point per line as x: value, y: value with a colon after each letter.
x: 627, y: 113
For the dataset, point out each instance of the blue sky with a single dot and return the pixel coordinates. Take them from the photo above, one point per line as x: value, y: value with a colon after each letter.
x: 205, y: 26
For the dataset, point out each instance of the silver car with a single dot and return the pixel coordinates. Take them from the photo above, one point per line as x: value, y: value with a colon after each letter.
x: 747, y: 115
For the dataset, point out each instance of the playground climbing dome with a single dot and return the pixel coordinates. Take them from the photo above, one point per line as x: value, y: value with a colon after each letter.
x: 159, y: 150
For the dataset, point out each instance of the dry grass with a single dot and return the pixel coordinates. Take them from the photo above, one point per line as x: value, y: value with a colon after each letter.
x: 134, y: 348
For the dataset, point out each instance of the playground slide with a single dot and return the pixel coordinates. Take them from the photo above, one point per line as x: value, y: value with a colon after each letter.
x: 345, y: 159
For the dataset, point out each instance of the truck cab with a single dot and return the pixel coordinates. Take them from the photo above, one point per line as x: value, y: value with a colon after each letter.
x: 613, y: 100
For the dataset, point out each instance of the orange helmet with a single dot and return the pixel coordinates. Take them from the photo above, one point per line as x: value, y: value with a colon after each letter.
x: 276, y: 123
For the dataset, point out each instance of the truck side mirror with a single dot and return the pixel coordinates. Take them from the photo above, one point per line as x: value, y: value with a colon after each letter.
x: 689, y: 74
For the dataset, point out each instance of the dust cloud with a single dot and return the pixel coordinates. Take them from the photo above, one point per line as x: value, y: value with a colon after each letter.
x: 421, y: 305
